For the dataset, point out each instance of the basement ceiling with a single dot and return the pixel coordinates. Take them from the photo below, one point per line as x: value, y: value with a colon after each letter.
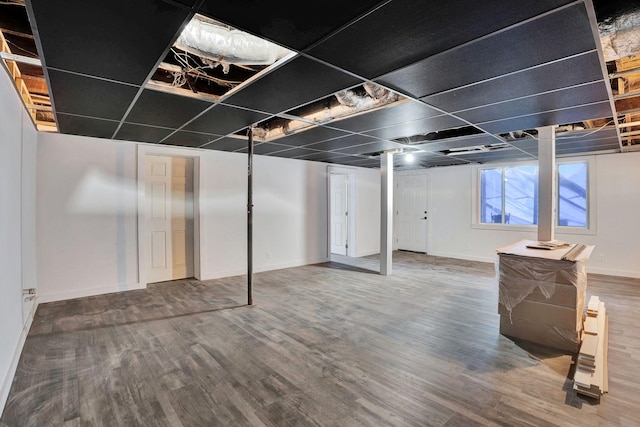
x: 464, y: 83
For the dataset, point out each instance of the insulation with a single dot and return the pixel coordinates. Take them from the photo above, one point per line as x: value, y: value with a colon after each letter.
x: 620, y: 35
x: 227, y: 46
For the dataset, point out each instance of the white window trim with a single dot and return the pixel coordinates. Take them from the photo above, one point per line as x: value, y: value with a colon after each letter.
x: 590, y: 229
x: 591, y: 199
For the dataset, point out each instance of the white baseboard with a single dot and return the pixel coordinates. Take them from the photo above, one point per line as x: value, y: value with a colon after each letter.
x: 8, y: 380
x: 610, y: 272
x: 79, y: 293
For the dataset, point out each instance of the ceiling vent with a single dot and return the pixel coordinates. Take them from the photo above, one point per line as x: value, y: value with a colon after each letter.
x: 476, y: 149
x: 439, y: 135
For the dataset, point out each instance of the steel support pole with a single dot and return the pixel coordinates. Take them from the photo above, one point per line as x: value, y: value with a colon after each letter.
x: 250, y: 220
x: 546, y: 182
x: 386, y: 213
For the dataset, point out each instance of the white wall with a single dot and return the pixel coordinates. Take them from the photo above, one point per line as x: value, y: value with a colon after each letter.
x: 367, y: 212
x: 86, y: 216
x: 289, y: 214
x: 29, y: 239
x: 617, y: 198
x: 16, y: 243
x: 87, y: 213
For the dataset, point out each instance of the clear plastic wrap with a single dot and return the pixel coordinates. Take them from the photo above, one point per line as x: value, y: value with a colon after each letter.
x: 541, y: 294
x: 520, y: 276
x: 548, y: 335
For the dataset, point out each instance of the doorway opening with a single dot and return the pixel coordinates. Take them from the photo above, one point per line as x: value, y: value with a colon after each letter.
x: 341, y: 209
x: 339, y: 218
x: 169, y: 217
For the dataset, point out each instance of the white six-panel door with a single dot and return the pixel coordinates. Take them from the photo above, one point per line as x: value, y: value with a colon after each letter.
x: 158, y: 214
x: 412, y: 212
x: 339, y: 213
x: 169, y: 217
x: 181, y: 217
x: 158, y: 196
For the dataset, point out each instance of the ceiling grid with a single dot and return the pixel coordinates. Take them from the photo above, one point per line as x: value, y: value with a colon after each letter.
x: 463, y: 83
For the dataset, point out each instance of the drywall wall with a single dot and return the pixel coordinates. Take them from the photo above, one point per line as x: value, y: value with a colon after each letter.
x: 367, y: 212
x: 16, y: 159
x: 86, y: 216
x: 28, y: 218
x: 616, y: 179
x: 289, y: 220
x: 87, y: 213
x: 290, y: 205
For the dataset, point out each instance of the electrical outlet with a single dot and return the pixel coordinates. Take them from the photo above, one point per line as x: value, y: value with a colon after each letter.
x: 601, y: 257
x: 268, y: 254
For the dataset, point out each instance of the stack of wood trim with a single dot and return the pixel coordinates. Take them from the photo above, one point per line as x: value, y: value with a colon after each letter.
x: 590, y: 378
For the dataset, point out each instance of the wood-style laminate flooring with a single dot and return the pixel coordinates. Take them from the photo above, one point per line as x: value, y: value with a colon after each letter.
x: 327, y: 344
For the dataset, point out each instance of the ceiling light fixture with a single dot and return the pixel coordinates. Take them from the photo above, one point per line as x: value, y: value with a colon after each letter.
x: 409, y: 158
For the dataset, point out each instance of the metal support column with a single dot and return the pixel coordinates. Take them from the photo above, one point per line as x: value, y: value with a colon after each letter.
x: 250, y: 220
x: 546, y: 182
x: 386, y: 213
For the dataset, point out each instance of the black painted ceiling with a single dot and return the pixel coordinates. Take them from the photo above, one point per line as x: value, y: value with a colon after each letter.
x: 468, y: 74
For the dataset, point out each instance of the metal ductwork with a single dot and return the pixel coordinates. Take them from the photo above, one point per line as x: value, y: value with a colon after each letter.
x: 223, y: 45
x: 351, y: 101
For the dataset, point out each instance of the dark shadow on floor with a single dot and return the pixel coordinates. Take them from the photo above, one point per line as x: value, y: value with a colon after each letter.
x: 341, y: 266
x: 137, y: 322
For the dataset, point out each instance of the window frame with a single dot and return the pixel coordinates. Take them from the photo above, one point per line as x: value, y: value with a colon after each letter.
x: 590, y: 229
x: 590, y: 195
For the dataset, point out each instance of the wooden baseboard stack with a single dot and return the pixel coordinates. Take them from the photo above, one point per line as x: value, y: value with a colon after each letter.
x: 591, y: 378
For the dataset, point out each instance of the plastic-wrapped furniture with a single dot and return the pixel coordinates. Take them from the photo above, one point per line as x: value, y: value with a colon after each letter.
x: 541, y: 295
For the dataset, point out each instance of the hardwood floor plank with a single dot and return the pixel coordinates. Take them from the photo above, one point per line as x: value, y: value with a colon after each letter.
x: 324, y: 345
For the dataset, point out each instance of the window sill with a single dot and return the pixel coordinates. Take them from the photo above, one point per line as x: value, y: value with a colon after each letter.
x: 504, y: 227
x: 533, y: 228
x: 585, y: 231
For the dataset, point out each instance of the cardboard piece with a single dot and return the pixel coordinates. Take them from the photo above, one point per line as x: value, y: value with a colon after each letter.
x: 544, y: 334
x: 591, y: 325
x: 565, y: 295
x: 547, y: 314
x: 520, y: 248
x: 591, y: 375
x: 541, y: 294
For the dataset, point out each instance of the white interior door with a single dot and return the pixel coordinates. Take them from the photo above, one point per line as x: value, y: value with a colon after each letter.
x: 182, y: 217
x: 412, y: 212
x: 158, y: 214
x: 339, y: 213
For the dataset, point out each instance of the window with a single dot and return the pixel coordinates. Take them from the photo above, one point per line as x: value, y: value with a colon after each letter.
x: 572, y: 194
x: 509, y: 195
